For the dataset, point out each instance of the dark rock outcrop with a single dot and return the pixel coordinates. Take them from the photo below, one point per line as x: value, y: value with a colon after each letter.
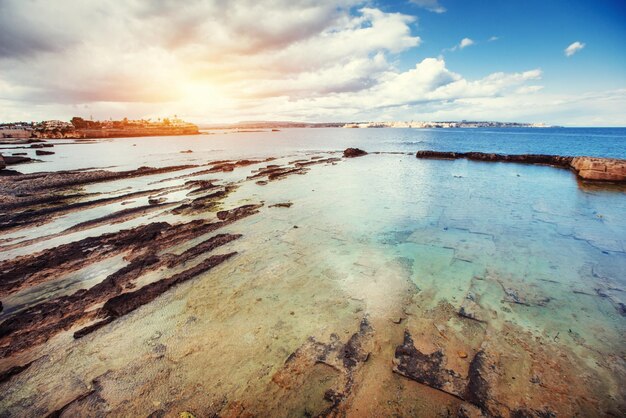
x: 587, y: 168
x: 353, y: 152
x: 42, y: 152
x: 554, y: 160
x: 427, y: 369
x: 15, y: 159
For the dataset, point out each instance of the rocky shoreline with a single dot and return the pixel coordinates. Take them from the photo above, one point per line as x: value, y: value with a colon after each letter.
x: 455, y: 356
x: 587, y: 168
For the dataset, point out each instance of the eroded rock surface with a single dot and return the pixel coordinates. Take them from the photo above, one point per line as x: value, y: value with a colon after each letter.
x: 600, y: 169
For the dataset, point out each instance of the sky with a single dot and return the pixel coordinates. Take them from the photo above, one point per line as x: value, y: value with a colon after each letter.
x: 210, y: 61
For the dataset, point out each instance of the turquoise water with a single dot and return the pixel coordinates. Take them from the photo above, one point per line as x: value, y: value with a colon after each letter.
x: 537, y: 258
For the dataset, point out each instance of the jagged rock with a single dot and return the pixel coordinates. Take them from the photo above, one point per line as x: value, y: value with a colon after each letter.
x: 353, y: 152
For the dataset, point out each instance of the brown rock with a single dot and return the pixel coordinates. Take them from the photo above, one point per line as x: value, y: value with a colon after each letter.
x: 353, y: 152
x: 2, y: 163
x: 600, y: 169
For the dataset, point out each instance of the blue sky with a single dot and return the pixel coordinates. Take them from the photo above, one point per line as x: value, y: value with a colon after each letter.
x: 211, y: 61
x: 531, y: 34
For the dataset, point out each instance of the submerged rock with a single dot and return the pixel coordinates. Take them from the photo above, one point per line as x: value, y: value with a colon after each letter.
x: 353, y: 152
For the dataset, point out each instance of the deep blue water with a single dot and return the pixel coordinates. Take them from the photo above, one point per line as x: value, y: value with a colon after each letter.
x: 600, y: 142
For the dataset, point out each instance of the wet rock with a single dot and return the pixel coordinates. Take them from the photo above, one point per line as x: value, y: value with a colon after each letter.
x: 156, y: 200
x: 427, y: 369
x: 39, y: 267
x: 13, y: 371
x: 12, y: 160
x: 281, y: 205
x: 127, y: 302
x: 186, y: 151
x: 42, y: 152
x: 587, y: 168
x: 38, y: 323
x: 6, y: 172
x: 2, y: 162
x: 344, y: 359
x: 477, y: 387
x: 239, y: 212
x: 11, y: 220
x: 353, y: 152
x: 555, y: 160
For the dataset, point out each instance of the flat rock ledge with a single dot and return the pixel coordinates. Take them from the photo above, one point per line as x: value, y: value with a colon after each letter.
x: 587, y: 168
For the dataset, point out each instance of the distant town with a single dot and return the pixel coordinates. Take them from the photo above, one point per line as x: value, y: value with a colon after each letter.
x: 392, y: 124
x: 79, y: 128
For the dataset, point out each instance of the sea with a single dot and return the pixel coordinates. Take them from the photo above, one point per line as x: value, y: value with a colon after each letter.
x: 523, y: 262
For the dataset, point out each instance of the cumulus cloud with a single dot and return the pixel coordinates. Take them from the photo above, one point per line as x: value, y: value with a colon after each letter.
x: 215, y: 61
x: 430, y: 5
x: 573, y: 48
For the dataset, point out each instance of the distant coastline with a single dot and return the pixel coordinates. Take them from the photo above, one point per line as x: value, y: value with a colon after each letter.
x: 389, y: 124
x: 79, y: 128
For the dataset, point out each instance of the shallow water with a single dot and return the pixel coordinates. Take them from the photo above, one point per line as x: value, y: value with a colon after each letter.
x: 538, y: 260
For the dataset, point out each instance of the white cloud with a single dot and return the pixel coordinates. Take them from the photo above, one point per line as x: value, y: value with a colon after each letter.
x: 493, y: 38
x: 573, y: 48
x: 465, y: 42
x: 430, y: 5
x: 214, y: 61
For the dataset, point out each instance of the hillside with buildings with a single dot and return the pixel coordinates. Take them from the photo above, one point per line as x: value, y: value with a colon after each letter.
x: 82, y: 128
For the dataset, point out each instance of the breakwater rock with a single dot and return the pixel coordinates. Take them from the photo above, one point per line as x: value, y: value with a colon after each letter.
x: 587, y: 168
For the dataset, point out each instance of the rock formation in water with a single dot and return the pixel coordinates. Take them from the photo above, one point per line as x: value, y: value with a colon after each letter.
x: 587, y: 168
x: 353, y: 152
